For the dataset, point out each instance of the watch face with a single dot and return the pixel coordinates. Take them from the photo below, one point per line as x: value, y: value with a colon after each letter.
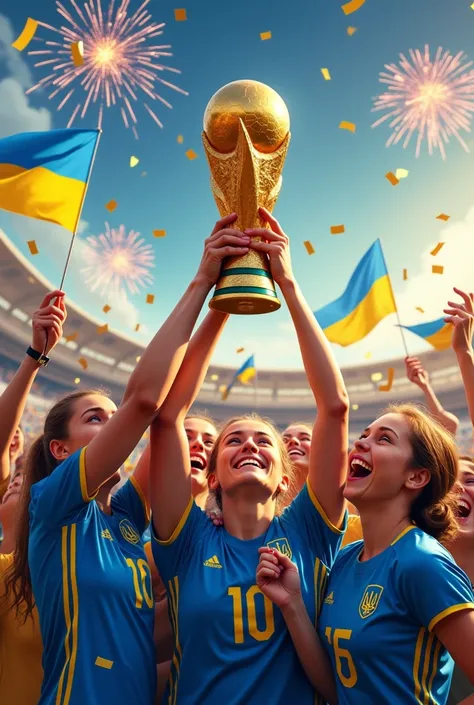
x: 43, y: 360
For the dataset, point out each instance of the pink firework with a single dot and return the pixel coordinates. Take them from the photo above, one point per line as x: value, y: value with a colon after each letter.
x: 117, y: 259
x: 121, y: 63
x: 432, y: 98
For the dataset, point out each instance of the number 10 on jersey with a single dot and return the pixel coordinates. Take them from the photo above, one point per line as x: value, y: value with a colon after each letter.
x: 250, y: 626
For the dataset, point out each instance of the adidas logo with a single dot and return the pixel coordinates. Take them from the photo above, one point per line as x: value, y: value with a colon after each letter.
x: 329, y: 599
x: 212, y: 562
x: 107, y: 535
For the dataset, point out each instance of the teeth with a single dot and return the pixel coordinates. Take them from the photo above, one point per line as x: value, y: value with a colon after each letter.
x: 295, y: 451
x: 363, y: 464
x: 249, y: 461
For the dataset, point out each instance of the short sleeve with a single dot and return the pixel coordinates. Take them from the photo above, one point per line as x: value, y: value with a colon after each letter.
x: 307, y: 516
x: 130, y: 501
x: 58, y: 499
x: 170, y: 556
x: 434, y: 587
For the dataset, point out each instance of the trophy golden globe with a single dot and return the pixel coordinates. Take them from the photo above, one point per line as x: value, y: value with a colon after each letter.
x: 246, y: 136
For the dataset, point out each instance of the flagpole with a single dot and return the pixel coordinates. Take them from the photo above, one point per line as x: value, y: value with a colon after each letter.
x: 74, y: 232
x: 394, y: 301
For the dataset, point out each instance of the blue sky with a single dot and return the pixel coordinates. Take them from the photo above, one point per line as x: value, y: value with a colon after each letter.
x: 331, y: 176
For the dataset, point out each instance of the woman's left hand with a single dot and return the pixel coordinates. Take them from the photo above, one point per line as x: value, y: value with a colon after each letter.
x: 462, y: 318
x: 275, y: 244
x: 277, y: 577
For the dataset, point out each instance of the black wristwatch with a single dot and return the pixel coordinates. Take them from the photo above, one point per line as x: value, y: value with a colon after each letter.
x: 39, y: 357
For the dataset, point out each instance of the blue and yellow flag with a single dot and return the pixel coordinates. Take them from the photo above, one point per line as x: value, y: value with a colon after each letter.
x: 437, y: 333
x: 244, y: 374
x: 367, y: 299
x: 44, y: 175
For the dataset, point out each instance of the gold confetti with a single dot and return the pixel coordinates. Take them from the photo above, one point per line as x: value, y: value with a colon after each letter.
x: 150, y: 298
x: 326, y: 74
x: 134, y: 161
x: 33, y: 248
x: 106, y: 308
x: 71, y: 338
x: 418, y: 308
x: 159, y: 233
x: 351, y: 31
x: 368, y: 355
x: 103, y: 329
x: 265, y: 35
x: 138, y: 358
x: 309, y: 248
x: 111, y: 205
x: 352, y: 6
x: 77, y: 380
x: 77, y: 53
x: 83, y: 363
x: 337, y: 229
x: 344, y: 125
x: 401, y: 173
x: 472, y: 6
x: 137, y: 328
x: 355, y: 407
x: 390, y: 176
x: 438, y: 247
x: 180, y: 139
x: 239, y: 350
x: 27, y: 34
x: 191, y: 154
x: 390, y: 377
x: 443, y: 216
x: 180, y: 15
x: 214, y: 378
x: 405, y: 275
x: 437, y: 269
x: 376, y: 376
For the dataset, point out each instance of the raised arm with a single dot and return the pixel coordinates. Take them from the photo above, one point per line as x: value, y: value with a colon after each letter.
x: 417, y: 374
x: 154, y: 375
x: 461, y: 315
x: 47, y: 320
x: 170, y: 478
x: 328, y: 457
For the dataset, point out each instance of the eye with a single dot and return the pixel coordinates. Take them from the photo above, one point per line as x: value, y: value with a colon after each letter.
x: 232, y: 441
x: 209, y: 443
x: 94, y: 418
x: 264, y: 441
x: 384, y: 437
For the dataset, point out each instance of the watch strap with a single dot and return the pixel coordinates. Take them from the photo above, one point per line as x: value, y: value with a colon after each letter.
x: 40, y: 358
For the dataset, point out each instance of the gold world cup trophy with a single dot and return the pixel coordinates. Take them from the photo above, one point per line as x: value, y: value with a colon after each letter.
x: 246, y: 136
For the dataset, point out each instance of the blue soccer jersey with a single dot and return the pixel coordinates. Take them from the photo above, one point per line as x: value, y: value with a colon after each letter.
x: 232, y: 645
x: 378, y: 618
x: 93, y: 591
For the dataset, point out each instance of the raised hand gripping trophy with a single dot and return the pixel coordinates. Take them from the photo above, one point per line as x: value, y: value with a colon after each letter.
x: 246, y: 136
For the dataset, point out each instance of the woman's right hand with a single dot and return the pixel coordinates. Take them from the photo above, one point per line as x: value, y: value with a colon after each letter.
x: 278, y: 577
x: 47, y: 322
x: 223, y: 242
x: 461, y: 315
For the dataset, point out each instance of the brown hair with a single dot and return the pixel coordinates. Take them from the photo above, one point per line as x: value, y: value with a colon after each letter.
x: 40, y: 463
x: 300, y: 423
x: 287, y: 465
x: 202, y: 416
x: 434, y: 449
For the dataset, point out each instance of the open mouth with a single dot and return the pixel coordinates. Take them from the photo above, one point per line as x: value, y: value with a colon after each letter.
x: 464, y: 510
x: 249, y: 461
x: 359, y: 469
x: 197, y: 463
x: 296, y: 452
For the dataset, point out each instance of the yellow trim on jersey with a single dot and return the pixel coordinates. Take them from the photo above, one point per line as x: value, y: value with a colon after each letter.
x: 402, y: 534
x: 416, y: 664
x: 321, y: 510
x: 143, y: 499
x: 434, y: 668
x: 178, y: 529
x: 320, y: 580
x: 173, y: 604
x: 83, y: 479
x: 71, y: 612
x: 426, y: 653
x: 450, y: 610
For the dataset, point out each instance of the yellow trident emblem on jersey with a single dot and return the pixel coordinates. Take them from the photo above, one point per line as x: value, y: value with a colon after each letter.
x: 281, y: 545
x: 128, y: 532
x: 370, y: 600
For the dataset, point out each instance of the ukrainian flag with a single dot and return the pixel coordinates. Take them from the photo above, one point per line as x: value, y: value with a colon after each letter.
x: 437, y: 333
x: 44, y: 175
x: 244, y: 374
x: 367, y: 299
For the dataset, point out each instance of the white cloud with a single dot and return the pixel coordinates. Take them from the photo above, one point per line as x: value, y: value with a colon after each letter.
x: 11, y: 60
x: 16, y: 114
x: 82, y: 227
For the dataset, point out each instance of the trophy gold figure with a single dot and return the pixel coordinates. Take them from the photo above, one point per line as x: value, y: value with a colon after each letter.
x: 246, y: 136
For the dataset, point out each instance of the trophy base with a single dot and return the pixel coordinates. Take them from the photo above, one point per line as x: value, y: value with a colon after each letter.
x: 244, y: 304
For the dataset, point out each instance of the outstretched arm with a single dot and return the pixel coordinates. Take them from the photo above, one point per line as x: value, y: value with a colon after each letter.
x: 461, y: 315
x: 328, y: 457
x: 417, y: 374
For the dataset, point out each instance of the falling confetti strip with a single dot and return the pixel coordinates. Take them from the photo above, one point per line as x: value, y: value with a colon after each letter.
x: 355, y: 407
x: 443, y: 216
x: 159, y: 233
x: 437, y: 269
x: 376, y: 376
x: 418, y: 308
x: 438, y: 247
x: 180, y: 15
x: 401, y: 173
x: 405, y: 275
x: 191, y: 154
x: 83, y: 363
x: 71, y: 338
x: 265, y: 35
x: 390, y: 176
x: 180, y: 139
x: 352, y: 6
x: 102, y: 329
x: 337, y: 229
x: 239, y: 350
x: 111, y: 205
x: 368, y: 355
x: 351, y: 31
x: 134, y: 161
x: 77, y: 53
x: 390, y: 377
x: 309, y: 248
x: 214, y: 378
x: 350, y: 126
x: 150, y: 298
x: 137, y: 328
x: 106, y: 308
x: 27, y: 34
x: 32, y: 246
x: 77, y: 380
x: 138, y: 358
x: 326, y: 74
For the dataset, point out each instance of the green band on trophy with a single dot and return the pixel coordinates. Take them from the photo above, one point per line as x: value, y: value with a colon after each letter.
x: 246, y: 270
x: 244, y: 290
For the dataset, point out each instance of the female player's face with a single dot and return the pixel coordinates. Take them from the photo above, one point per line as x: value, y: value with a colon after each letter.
x: 297, y: 439
x: 466, y: 500
x: 90, y: 415
x: 379, y: 461
x: 248, y: 455
x: 201, y: 436
x: 12, y: 495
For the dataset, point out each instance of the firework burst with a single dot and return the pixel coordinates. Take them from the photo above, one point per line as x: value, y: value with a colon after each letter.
x: 433, y: 98
x: 121, y: 63
x: 117, y: 260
